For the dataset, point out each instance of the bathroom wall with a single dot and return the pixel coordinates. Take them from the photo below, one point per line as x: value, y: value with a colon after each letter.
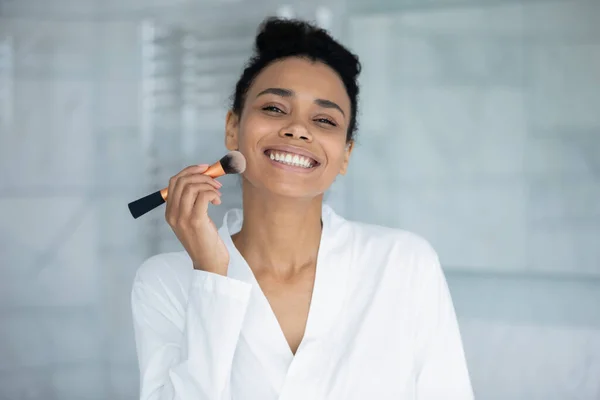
x: 478, y: 130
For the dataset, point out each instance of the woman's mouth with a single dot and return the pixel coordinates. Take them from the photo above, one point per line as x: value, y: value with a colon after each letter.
x: 292, y: 159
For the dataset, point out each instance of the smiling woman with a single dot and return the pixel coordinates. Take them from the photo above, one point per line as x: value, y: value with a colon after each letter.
x: 295, y: 107
x: 288, y: 300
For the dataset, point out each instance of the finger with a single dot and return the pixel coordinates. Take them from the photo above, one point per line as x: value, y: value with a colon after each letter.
x: 200, y: 209
x: 188, y: 182
x: 200, y: 178
x: 190, y: 195
x: 172, y: 208
x: 192, y: 169
x: 180, y: 182
x: 169, y: 209
x: 183, y: 178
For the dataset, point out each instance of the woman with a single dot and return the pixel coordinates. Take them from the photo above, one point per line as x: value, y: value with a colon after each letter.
x: 289, y: 300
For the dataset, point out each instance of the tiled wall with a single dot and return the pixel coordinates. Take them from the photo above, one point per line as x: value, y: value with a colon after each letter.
x: 479, y: 130
x: 68, y: 248
x: 486, y: 119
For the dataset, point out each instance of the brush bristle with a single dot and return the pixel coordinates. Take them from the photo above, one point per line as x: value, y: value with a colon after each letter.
x: 233, y: 162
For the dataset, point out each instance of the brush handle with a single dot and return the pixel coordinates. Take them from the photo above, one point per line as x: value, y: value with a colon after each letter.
x: 142, y: 205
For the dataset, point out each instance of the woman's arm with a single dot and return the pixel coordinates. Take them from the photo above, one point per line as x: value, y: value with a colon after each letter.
x: 185, y: 345
x: 443, y: 372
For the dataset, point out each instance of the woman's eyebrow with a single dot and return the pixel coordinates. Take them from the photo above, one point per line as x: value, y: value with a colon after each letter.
x: 277, y: 91
x: 290, y: 93
x: 329, y: 104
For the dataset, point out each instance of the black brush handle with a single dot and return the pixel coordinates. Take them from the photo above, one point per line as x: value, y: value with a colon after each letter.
x: 141, y: 206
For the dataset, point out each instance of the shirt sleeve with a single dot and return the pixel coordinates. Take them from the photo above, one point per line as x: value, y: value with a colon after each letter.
x: 185, y: 343
x: 442, y: 367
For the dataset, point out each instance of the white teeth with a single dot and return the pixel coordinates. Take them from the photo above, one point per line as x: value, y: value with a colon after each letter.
x: 291, y: 159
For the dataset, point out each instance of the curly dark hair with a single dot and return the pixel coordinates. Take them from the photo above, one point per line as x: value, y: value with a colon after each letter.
x: 281, y: 38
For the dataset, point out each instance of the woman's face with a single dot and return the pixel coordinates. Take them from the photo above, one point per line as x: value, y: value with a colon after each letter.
x: 293, y: 128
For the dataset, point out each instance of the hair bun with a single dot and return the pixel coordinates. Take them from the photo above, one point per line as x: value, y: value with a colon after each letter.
x: 275, y: 35
x: 279, y: 38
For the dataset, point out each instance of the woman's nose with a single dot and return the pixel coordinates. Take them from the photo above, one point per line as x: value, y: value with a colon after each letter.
x: 296, y: 131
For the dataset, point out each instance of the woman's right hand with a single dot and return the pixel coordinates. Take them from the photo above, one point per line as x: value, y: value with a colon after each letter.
x: 187, y: 213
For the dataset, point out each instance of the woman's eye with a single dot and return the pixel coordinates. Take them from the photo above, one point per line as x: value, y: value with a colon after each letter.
x: 273, y: 109
x: 326, y: 121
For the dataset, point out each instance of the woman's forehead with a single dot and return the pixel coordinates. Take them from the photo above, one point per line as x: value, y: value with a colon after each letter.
x: 304, y: 78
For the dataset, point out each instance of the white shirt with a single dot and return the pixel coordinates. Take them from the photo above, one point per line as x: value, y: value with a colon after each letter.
x: 381, y: 325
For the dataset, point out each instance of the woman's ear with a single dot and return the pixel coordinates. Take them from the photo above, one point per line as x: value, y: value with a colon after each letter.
x: 231, y: 131
x: 349, y: 147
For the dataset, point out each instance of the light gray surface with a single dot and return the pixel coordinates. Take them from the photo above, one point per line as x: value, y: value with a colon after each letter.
x: 479, y: 131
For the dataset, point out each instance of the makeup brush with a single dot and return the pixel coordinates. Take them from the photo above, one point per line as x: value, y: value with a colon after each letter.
x: 233, y: 162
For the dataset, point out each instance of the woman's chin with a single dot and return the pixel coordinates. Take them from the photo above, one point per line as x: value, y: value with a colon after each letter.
x: 291, y: 191
x: 284, y: 187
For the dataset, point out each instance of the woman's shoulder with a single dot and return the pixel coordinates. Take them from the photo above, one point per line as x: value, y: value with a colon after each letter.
x: 165, y: 270
x: 401, y: 252
x: 392, y: 238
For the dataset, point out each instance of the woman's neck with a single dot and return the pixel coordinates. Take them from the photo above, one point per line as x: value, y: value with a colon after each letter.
x: 279, y: 236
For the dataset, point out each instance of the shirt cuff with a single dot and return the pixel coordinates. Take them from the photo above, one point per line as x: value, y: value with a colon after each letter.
x: 210, y: 282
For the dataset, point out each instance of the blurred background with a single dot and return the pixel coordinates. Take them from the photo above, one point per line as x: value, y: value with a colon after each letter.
x: 479, y: 130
